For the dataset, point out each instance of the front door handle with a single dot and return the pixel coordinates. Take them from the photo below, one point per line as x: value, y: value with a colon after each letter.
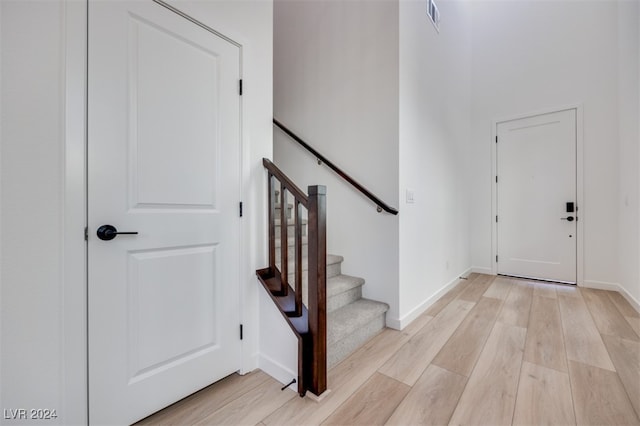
x: 568, y: 218
x: 109, y: 232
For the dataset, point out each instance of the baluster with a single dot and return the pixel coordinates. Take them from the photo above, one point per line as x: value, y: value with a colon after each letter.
x: 271, y: 190
x: 298, y: 263
x: 284, y: 243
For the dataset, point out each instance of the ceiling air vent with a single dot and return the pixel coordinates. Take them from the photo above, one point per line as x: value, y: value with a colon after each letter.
x: 434, y: 14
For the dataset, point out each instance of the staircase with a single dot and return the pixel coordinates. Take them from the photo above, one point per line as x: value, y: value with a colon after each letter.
x: 323, y: 307
x: 351, y: 320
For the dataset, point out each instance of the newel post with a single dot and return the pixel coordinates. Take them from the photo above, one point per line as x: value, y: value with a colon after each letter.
x: 317, y: 288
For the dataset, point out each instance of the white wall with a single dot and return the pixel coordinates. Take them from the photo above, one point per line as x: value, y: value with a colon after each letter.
x: 375, y: 88
x: 42, y: 287
x: 435, y: 89
x: 501, y: 58
x: 41, y: 313
x: 336, y: 85
x: 628, y: 118
x: 529, y: 56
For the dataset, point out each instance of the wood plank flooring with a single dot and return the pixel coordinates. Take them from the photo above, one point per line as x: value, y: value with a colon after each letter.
x: 491, y: 351
x: 545, y: 343
x: 544, y: 397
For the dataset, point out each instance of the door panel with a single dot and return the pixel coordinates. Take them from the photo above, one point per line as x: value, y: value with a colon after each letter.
x: 164, y: 161
x: 536, y: 166
x: 160, y: 333
x: 158, y: 168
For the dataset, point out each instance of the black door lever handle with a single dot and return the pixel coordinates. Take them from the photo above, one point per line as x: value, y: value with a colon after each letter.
x: 568, y: 218
x: 109, y: 232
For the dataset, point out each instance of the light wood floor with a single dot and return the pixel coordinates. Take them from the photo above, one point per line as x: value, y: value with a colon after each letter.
x: 492, y: 351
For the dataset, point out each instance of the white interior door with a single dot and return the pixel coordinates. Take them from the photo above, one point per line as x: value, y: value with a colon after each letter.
x: 163, y: 161
x: 536, y: 168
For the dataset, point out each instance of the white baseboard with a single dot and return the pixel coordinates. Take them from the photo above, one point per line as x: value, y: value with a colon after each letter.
x: 277, y: 371
x: 250, y: 363
x: 401, y: 323
x: 632, y: 300
x: 602, y: 285
x: 393, y: 323
x: 481, y: 270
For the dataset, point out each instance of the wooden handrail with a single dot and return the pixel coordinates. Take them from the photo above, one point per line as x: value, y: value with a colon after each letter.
x: 309, y: 323
x: 381, y: 204
x: 288, y: 183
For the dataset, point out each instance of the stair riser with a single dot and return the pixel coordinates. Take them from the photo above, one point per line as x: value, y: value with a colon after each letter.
x: 291, y: 231
x: 332, y: 271
x: 336, y: 301
x: 343, y: 299
x: 288, y: 212
x: 291, y: 252
x: 341, y: 349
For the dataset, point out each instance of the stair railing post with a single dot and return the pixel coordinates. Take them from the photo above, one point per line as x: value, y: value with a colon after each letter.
x: 317, y: 288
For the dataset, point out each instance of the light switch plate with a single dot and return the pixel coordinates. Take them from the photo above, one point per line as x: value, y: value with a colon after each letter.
x: 410, y: 199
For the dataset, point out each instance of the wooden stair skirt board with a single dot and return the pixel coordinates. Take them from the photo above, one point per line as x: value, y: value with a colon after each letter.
x: 286, y: 304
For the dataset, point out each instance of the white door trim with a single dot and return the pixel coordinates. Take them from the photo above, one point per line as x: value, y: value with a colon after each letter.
x: 579, y: 183
x: 74, y: 389
x: 74, y: 401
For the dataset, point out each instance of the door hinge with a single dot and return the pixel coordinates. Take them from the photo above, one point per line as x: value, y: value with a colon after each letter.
x: 240, y: 208
x: 240, y: 87
x: 496, y: 179
x: 496, y: 258
x: 86, y: 233
x: 241, y: 332
x: 496, y: 138
x: 496, y: 218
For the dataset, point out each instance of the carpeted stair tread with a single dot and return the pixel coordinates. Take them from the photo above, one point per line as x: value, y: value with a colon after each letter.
x: 332, y: 259
x: 291, y: 241
x: 342, y: 283
x: 348, y: 319
x: 290, y: 222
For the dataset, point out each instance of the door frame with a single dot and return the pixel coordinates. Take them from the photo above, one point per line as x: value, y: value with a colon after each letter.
x: 579, y: 183
x: 74, y: 407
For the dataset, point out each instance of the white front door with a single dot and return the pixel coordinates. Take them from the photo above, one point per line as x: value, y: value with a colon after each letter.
x: 163, y: 161
x: 536, y: 169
